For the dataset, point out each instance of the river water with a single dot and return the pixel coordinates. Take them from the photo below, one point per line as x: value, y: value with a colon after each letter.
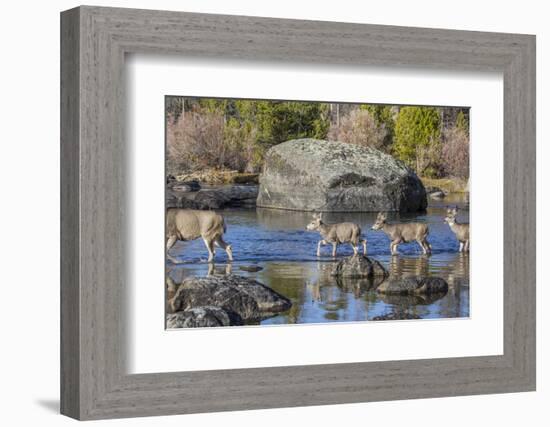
x: 277, y: 241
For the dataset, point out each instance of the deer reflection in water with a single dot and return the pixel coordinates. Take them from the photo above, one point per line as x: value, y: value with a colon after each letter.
x: 219, y: 270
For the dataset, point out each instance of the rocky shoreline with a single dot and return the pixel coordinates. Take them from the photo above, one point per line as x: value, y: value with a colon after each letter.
x: 193, y: 195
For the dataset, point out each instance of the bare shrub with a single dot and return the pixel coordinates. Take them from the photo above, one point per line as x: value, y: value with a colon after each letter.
x: 360, y: 128
x: 202, y: 139
x: 455, y: 153
x: 195, y: 140
x: 428, y: 159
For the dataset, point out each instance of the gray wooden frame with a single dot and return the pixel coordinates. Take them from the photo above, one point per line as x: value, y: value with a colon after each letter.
x: 94, y: 41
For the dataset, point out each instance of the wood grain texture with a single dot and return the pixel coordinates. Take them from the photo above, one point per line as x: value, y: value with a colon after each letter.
x: 95, y: 274
x: 70, y: 292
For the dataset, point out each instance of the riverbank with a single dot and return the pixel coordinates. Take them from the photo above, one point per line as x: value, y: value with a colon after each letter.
x: 219, y: 177
x: 446, y: 185
x: 222, y: 189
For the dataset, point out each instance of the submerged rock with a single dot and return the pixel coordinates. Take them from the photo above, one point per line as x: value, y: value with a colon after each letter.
x: 405, y: 301
x: 359, y: 266
x: 186, y: 186
x: 326, y: 176
x: 236, y: 295
x: 198, y: 317
x: 358, y: 286
x: 437, y: 195
x: 251, y: 268
x: 414, y: 286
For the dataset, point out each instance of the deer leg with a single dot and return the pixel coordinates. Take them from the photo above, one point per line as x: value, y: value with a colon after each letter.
x: 424, y: 245
x: 460, y: 247
x: 334, y: 246
x: 169, y: 243
x: 467, y: 246
x: 210, y: 248
x: 393, y: 247
x: 211, y: 269
x: 364, y: 242
x: 355, y: 247
x: 226, y: 247
x: 228, y: 269
x: 321, y: 242
x: 428, y: 247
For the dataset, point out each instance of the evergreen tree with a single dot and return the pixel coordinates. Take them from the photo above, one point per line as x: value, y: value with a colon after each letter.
x: 281, y: 121
x: 417, y: 138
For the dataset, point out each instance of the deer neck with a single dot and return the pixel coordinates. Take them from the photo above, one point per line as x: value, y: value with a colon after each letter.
x: 453, y: 224
x: 324, y: 229
x: 388, y: 228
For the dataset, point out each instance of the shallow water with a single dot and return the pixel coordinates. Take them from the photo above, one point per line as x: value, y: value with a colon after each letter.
x: 277, y: 241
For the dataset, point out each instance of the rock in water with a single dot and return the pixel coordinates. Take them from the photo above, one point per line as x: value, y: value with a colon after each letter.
x: 437, y: 195
x: 326, y: 176
x: 359, y: 266
x: 202, y: 317
x: 251, y: 268
x: 207, y: 199
x: 186, y: 186
x: 236, y: 295
x: 414, y: 286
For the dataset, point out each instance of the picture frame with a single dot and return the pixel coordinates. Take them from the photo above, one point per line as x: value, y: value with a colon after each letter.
x: 94, y: 42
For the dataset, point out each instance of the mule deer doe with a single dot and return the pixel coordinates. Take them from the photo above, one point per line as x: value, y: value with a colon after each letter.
x: 187, y: 224
x: 461, y: 231
x: 343, y: 232
x: 403, y: 233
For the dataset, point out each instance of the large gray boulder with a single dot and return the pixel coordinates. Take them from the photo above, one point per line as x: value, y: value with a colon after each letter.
x: 236, y: 295
x: 326, y: 176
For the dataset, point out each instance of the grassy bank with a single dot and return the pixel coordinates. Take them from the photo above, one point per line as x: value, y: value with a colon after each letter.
x: 220, y: 177
x: 447, y: 185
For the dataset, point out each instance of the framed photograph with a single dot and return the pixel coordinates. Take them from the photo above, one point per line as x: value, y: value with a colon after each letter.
x: 278, y: 213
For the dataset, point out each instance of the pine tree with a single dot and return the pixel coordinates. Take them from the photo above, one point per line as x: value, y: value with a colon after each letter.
x: 417, y: 138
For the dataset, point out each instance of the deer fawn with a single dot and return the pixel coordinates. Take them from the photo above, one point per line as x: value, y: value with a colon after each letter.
x: 461, y: 231
x: 403, y: 233
x: 187, y: 224
x: 344, y: 232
